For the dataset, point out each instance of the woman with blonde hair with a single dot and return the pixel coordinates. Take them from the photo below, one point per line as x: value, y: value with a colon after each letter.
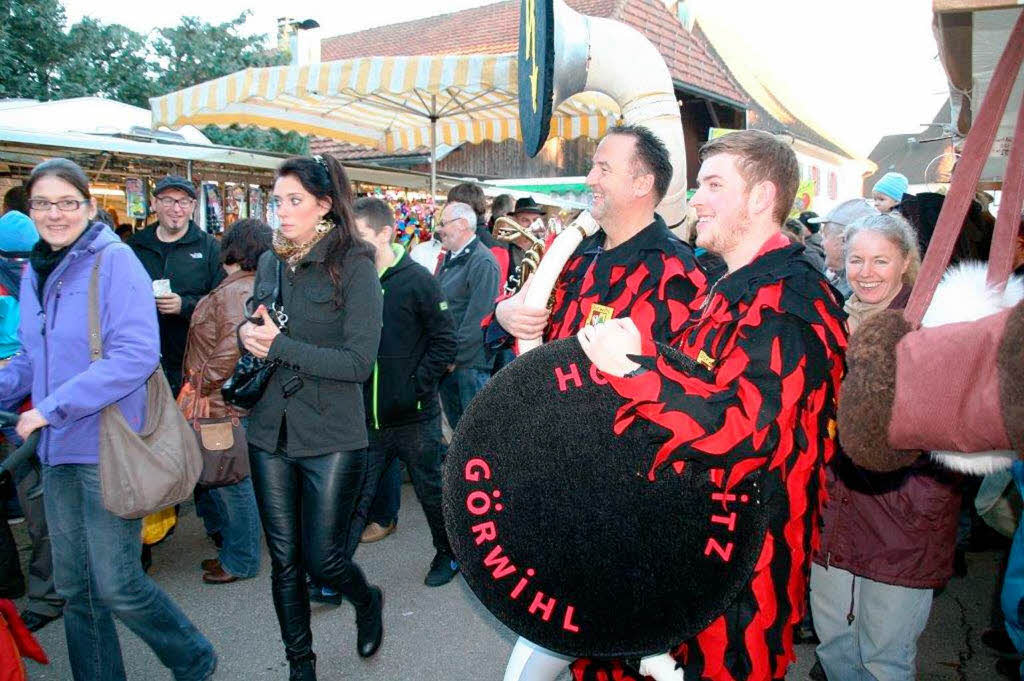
x: 888, y: 538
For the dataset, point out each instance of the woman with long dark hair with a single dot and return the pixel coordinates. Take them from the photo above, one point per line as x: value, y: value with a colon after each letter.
x: 307, y: 434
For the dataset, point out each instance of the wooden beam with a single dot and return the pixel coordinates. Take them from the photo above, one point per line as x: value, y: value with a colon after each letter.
x: 712, y: 113
x: 954, y: 35
x: 942, y: 6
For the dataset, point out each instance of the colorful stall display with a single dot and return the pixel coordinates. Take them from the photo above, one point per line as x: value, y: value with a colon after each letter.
x: 804, y: 197
x: 135, y: 198
x: 213, y: 209
x: 236, y: 207
x: 414, y: 213
x: 257, y: 204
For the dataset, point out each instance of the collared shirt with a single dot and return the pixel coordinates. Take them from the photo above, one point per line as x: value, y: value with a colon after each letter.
x: 454, y: 254
x: 653, y: 268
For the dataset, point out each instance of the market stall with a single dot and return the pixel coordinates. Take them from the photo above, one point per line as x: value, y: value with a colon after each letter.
x: 124, y: 156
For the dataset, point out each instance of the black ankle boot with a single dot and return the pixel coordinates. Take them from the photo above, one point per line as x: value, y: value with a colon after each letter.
x: 370, y: 624
x: 303, y: 670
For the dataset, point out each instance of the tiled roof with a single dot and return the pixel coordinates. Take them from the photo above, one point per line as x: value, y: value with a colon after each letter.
x: 924, y: 157
x: 494, y: 29
x: 689, y: 59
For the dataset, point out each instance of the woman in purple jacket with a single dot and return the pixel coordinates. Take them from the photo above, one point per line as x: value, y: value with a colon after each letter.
x: 95, y: 553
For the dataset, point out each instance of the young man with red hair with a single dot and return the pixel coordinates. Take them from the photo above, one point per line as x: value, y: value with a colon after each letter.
x: 748, y: 394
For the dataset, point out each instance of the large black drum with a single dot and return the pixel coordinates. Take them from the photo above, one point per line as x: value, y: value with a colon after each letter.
x: 566, y: 535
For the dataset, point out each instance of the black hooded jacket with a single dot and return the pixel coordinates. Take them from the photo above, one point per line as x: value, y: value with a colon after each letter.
x: 192, y: 263
x: 417, y: 343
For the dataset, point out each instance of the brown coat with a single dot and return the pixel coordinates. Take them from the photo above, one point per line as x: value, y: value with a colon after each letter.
x: 212, y: 344
x: 897, y: 527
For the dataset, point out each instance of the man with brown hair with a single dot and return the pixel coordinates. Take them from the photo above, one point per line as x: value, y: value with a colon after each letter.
x: 633, y: 266
x: 748, y: 396
x: 403, y: 419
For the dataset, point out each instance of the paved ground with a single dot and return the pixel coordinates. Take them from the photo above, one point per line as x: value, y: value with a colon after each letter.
x: 442, y: 633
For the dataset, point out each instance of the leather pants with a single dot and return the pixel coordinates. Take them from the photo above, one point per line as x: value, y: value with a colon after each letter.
x: 306, y: 505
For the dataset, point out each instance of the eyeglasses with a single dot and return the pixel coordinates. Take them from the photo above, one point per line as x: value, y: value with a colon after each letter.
x: 445, y: 223
x: 168, y: 202
x: 65, y: 205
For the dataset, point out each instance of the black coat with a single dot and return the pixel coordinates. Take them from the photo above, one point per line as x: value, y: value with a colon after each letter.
x: 325, y: 357
x: 484, y: 234
x: 417, y: 344
x: 192, y: 263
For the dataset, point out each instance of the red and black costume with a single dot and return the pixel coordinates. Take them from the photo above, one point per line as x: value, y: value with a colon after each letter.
x: 653, y: 278
x: 509, y: 257
x: 750, y: 387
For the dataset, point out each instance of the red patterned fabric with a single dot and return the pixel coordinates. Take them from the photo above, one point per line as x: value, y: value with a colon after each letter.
x: 653, y: 278
x: 16, y: 641
x: 750, y: 386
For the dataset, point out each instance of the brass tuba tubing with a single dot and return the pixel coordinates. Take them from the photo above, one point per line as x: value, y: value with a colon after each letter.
x: 508, y: 230
x: 602, y: 55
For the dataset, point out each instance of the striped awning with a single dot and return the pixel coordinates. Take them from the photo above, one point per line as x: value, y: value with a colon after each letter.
x: 386, y: 103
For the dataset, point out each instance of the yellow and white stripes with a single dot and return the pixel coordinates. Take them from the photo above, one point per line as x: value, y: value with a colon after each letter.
x: 380, y: 102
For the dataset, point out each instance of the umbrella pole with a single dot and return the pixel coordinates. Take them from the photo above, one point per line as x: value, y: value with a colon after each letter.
x: 433, y: 146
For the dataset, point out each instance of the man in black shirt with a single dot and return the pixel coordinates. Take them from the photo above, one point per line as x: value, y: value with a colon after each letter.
x: 176, y: 250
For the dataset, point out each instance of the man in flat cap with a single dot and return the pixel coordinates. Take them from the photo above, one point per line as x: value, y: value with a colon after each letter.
x: 187, y: 259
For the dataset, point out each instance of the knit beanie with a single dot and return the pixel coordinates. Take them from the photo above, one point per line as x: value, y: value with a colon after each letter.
x: 17, y: 232
x: 893, y: 185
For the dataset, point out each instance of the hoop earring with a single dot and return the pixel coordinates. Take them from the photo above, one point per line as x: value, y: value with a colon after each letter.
x: 323, y: 226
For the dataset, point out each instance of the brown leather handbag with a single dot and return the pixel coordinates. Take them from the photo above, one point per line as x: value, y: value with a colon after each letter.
x: 156, y: 467
x: 225, y: 451
x: 221, y: 440
x: 956, y: 387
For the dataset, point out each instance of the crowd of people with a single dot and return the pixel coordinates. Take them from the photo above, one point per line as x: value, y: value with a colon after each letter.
x: 375, y: 345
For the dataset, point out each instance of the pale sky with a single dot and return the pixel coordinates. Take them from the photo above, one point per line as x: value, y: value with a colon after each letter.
x: 860, y: 69
x: 342, y: 16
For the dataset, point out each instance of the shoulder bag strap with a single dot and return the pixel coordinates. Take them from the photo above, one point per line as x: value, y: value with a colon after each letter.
x: 279, y: 287
x: 1004, y: 237
x: 95, y: 335
x: 965, y: 178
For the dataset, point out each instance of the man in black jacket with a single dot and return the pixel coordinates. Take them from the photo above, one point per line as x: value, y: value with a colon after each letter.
x: 469, y: 281
x: 417, y: 344
x: 175, y: 249
x: 184, y: 263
